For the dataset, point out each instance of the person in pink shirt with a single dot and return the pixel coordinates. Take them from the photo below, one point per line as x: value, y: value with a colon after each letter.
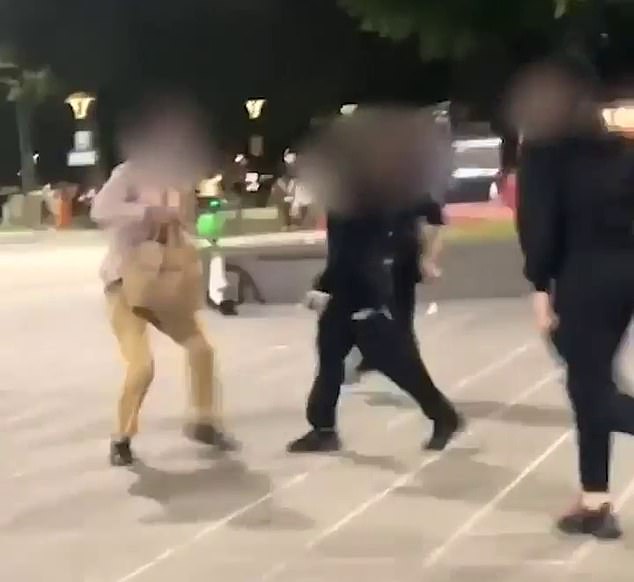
x: 165, y: 157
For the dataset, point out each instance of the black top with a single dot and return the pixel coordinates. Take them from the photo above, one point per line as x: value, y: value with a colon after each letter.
x: 576, y: 195
x: 407, y: 245
x: 366, y: 253
x: 357, y: 273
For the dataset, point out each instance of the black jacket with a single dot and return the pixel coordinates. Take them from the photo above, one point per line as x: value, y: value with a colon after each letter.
x: 576, y: 195
x: 407, y: 243
x: 357, y: 272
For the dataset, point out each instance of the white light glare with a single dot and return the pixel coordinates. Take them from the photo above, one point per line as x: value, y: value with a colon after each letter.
x: 467, y: 173
x: 475, y: 144
x: 348, y: 109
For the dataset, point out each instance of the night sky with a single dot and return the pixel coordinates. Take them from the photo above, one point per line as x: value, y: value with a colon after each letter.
x: 305, y: 56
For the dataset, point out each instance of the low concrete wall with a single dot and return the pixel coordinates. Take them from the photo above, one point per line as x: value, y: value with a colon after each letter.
x: 282, y: 273
x: 480, y: 270
x: 20, y: 210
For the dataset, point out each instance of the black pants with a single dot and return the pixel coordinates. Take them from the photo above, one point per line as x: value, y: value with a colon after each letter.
x: 382, y: 342
x: 595, y: 303
x: 403, y: 310
x: 404, y: 302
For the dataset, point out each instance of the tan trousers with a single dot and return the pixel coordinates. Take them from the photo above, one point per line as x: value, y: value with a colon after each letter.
x: 131, y: 331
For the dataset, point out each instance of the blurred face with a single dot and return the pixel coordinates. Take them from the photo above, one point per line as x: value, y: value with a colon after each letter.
x: 171, y: 149
x: 376, y: 160
x: 545, y: 103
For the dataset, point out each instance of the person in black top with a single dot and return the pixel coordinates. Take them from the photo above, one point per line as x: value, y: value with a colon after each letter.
x: 576, y: 229
x: 359, y: 283
x: 411, y: 263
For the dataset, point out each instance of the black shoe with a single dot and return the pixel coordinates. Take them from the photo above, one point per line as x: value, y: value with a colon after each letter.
x: 228, y: 308
x: 121, y: 453
x: 445, y: 431
x: 207, y: 434
x: 601, y: 523
x: 316, y: 441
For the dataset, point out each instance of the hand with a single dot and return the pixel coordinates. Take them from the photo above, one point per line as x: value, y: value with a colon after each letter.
x: 545, y: 317
x: 316, y: 300
x: 431, y: 270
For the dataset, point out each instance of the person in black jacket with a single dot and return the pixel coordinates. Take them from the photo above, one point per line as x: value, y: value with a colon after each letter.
x: 359, y: 283
x: 576, y: 228
x: 413, y: 259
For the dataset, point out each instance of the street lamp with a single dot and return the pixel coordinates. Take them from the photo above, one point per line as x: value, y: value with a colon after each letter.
x: 84, y: 153
x: 80, y: 104
x: 254, y: 109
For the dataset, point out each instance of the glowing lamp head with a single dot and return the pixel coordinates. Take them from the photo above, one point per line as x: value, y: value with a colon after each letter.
x: 80, y: 104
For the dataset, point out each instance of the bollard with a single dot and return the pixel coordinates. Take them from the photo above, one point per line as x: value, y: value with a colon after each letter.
x: 64, y: 216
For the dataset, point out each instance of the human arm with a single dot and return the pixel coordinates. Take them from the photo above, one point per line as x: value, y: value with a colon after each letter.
x: 539, y: 226
x: 538, y: 214
x: 431, y: 231
x: 114, y: 203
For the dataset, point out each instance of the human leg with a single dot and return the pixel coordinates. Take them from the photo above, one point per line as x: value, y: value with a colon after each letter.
x: 131, y: 333
x: 334, y: 341
x: 205, y: 418
x: 594, y: 315
x: 396, y: 355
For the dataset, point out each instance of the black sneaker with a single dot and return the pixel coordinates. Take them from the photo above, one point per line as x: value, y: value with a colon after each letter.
x: 316, y: 441
x: 121, y: 453
x: 206, y: 434
x: 445, y: 431
x: 601, y: 523
x: 228, y: 308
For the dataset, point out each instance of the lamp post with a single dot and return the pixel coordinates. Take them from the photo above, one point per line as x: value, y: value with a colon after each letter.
x: 84, y: 152
x: 84, y: 156
x: 80, y: 104
x: 254, y: 108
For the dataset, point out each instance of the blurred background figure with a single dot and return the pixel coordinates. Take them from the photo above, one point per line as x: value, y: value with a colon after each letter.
x: 291, y: 196
x: 576, y: 228
x: 301, y: 204
x: 282, y: 196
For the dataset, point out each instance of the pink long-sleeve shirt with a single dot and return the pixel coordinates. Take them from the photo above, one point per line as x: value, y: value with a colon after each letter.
x: 121, y: 209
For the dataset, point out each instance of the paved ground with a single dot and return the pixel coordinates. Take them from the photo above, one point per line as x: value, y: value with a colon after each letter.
x: 382, y: 511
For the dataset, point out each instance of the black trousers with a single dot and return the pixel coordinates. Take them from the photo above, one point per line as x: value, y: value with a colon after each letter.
x: 404, y: 301
x: 595, y: 302
x: 381, y: 341
x: 403, y: 309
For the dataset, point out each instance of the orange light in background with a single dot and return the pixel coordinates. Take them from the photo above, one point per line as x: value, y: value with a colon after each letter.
x: 620, y: 118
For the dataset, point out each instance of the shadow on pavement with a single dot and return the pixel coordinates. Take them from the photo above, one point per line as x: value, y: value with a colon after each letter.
x: 381, y: 462
x: 212, y: 493
x: 524, y: 414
